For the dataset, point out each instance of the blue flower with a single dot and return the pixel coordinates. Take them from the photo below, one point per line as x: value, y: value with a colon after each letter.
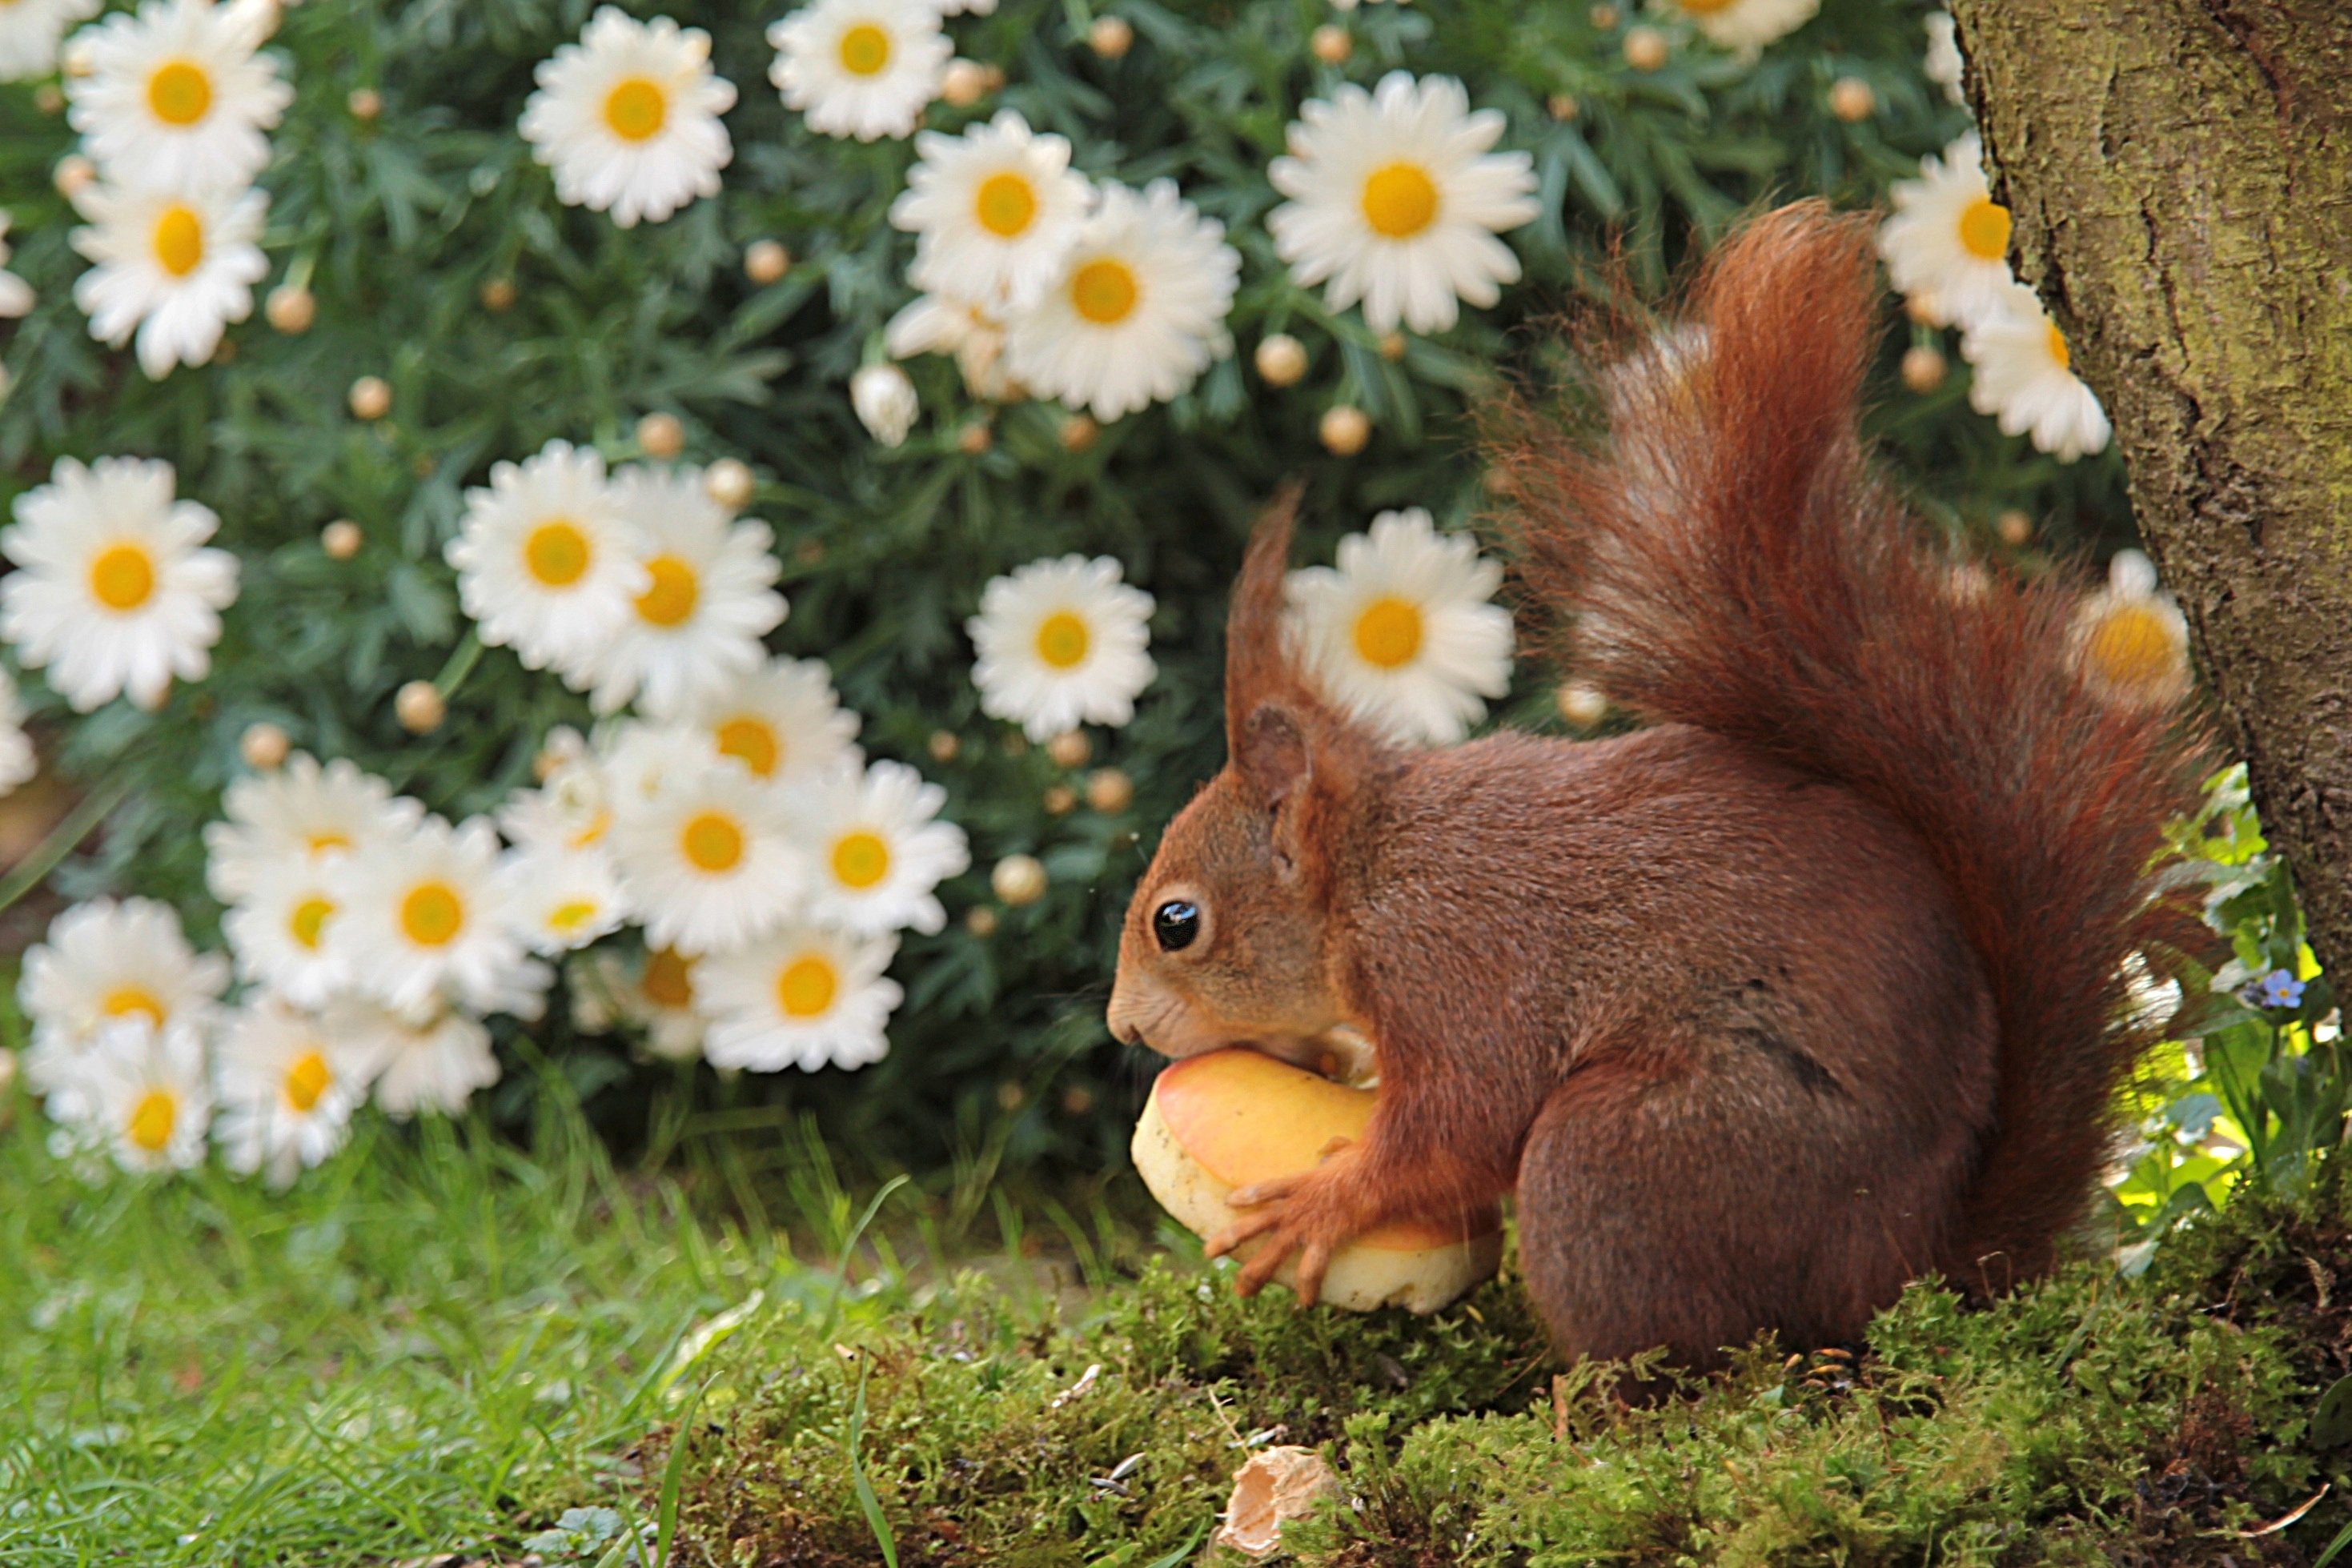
x: 2279, y: 989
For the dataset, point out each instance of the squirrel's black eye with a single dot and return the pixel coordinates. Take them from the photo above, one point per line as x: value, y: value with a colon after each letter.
x: 1176, y: 922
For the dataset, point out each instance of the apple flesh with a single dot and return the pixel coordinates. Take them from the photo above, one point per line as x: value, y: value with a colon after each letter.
x: 1229, y: 1119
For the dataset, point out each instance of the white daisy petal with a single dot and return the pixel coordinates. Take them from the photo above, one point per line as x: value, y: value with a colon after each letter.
x: 995, y: 211
x: 1942, y: 64
x: 805, y: 996
x: 19, y: 762
x: 177, y: 98
x: 877, y: 853
x: 433, y: 1062
x: 860, y: 67
x: 17, y: 296
x: 548, y: 562
x: 2024, y: 377
x: 628, y: 118
x: 30, y: 31
x: 172, y: 268
x: 1061, y: 643
x: 934, y: 324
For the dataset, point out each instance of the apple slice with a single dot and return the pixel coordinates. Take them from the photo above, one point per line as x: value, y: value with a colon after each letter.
x: 1231, y: 1118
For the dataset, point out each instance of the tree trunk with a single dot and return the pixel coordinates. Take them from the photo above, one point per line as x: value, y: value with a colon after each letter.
x: 2179, y: 172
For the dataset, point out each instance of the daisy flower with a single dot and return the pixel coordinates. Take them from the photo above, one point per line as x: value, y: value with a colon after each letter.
x: 1062, y: 643
x: 16, y: 294
x: 2025, y: 378
x: 885, y: 403
x: 102, y: 960
x: 561, y: 899
x: 876, y: 852
x: 18, y: 759
x: 279, y: 932
x: 627, y: 118
x: 431, y: 1063
x: 1138, y: 310
x: 1402, y: 634
x: 177, y: 98
x: 708, y: 860
x: 287, y: 1092
x: 2131, y: 641
x: 139, y: 1093
x: 572, y: 808
x: 112, y: 594
x: 654, y: 991
x: 993, y: 211
x: 175, y: 268
x: 860, y: 67
x: 710, y: 597
x: 1947, y: 240
x: 303, y: 815
x: 934, y: 324
x: 29, y: 32
x: 1746, y: 26
x: 782, y: 722
x: 804, y: 997
x: 1396, y: 200
x: 547, y: 561
x: 1942, y: 64
x: 424, y: 913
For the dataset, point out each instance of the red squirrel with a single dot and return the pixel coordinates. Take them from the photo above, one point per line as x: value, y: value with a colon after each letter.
x: 1809, y: 987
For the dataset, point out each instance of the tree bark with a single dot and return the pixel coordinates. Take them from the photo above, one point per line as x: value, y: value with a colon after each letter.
x: 2180, y: 173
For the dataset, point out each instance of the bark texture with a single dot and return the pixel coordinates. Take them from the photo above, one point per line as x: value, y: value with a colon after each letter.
x: 2179, y: 172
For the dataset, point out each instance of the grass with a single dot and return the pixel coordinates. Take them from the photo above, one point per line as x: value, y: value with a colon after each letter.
x: 443, y: 1341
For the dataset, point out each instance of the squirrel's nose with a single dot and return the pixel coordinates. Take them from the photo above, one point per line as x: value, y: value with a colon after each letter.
x: 1124, y: 1028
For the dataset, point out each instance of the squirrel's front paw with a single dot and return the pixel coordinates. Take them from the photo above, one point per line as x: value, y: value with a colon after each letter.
x: 1290, y: 1214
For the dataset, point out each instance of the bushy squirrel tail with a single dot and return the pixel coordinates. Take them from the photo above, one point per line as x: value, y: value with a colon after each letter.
x: 1728, y: 559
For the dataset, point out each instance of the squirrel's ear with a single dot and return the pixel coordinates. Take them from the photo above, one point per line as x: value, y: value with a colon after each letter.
x: 1276, y: 758
x: 1257, y: 664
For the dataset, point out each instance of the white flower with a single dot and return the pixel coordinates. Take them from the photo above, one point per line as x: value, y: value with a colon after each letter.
x: 561, y: 899
x: 628, y: 118
x: 782, y: 722
x: 995, y: 211
x: 876, y: 852
x: 2130, y: 640
x: 1402, y: 634
x: 1396, y: 200
x: 2024, y: 376
x: 804, y: 997
x: 885, y: 401
x: 1138, y: 310
x: 572, y: 808
x: 140, y: 1094
x: 519, y: 991
x: 17, y: 760
x: 637, y: 759
x: 279, y: 933
x: 113, y: 594
x: 1062, y: 643
x: 177, y: 98
x: 435, y: 1063
x: 1942, y: 65
x: 935, y: 325
x: 709, y: 598
x: 303, y: 815
x: 708, y: 860
x: 104, y: 960
x: 422, y: 913
x: 965, y: 7
x: 287, y: 1092
x: 29, y: 31
x: 1746, y: 26
x: 655, y: 991
x: 1947, y: 244
x: 860, y: 67
x: 16, y: 294
x: 175, y: 268
x: 547, y: 562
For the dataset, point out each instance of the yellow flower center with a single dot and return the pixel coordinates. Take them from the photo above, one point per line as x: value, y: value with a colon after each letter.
x: 179, y: 240
x: 674, y: 594
x: 1061, y: 639
x: 1004, y: 205
x: 712, y: 842
x: 1400, y: 201
x: 306, y: 1080
x: 2132, y: 647
x: 636, y: 109
x: 122, y: 577
x: 2058, y: 349
x: 1706, y: 8
x: 431, y: 915
x: 124, y: 1000
x: 179, y: 93
x: 860, y: 859
x: 1388, y: 633
x: 1984, y: 229
x: 865, y: 50
x: 321, y: 842
x: 307, y: 924
x: 566, y: 918
x: 557, y: 553
x: 153, y: 1121
x: 670, y: 978
x: 752, y: 742
x: 1103, y: 291
x: 805, y: 990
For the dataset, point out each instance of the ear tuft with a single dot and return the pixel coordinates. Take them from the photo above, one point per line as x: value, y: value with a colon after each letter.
x: 1257, y: 663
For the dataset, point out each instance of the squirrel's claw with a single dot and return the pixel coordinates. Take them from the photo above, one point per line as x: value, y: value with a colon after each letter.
x: 1241, y: 1230
x: 1264, y: 1192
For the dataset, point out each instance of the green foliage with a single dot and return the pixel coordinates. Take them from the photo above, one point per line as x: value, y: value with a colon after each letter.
x: 399, y: 223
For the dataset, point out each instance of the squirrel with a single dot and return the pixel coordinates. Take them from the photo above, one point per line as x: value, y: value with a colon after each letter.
x: 1811, y: 985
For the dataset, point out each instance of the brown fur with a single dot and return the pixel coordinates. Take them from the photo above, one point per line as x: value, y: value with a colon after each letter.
x: 1806, y: 989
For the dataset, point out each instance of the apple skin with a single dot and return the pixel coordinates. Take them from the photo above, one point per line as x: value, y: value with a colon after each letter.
x: 1227, y: 1119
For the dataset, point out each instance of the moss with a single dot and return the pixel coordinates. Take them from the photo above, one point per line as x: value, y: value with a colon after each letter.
x: 2087, y: 1419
